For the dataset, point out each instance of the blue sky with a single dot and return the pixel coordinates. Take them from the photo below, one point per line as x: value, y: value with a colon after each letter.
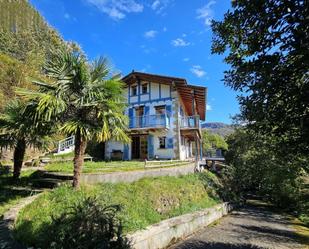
x: 169, y: 37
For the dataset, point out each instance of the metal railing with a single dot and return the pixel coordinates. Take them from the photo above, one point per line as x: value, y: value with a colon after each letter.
x: 214, y: 153
x: 65, y: 144
x: 150, y: 121
x: 190, y: 122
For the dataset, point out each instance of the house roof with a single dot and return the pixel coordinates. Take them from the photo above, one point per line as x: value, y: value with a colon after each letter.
x: 186, y: 91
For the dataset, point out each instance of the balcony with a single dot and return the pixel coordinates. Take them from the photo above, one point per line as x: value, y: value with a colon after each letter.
x: 190, y: 124
x: 161, y: 121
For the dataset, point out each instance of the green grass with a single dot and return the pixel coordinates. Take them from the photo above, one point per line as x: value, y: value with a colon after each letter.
x: 144, y: 202
x: 12, y: 191
x: 95, y: 167
x: 61, y: 156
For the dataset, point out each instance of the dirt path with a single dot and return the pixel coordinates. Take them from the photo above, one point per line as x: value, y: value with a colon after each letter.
x: 249, y: 227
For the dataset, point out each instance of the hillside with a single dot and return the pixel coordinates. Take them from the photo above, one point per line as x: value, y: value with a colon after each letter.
x: 26, y: 41
x: 221, y: 129
x: 23, y: 30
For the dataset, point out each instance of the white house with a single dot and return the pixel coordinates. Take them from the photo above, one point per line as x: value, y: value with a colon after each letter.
x: 164, y: 118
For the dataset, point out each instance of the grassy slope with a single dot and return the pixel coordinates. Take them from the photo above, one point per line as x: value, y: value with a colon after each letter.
x: 144, y: 202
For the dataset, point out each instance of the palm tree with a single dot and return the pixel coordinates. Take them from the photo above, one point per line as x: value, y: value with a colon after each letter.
x: 84, y: 99
x: 18, y: 130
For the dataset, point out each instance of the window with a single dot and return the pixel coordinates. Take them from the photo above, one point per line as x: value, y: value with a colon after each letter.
x: 134, y: 90
x: 160, y: 109
x: 144, y: 88
x: 162, y: 142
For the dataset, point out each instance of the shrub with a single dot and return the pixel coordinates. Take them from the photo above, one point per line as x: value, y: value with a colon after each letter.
x: 87, y: 224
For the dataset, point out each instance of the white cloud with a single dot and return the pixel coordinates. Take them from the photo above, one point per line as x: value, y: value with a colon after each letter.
x: 117, y: 9
x: 155, y: 5
x: 208, y: 107
x: 186, y: 59
x: 206, y: 13
x: 198, y: 71
x: 67, y: 16
x: 164, y: 29
x: 160, y: 5
x: 150, y: 33
x: 179, y: 42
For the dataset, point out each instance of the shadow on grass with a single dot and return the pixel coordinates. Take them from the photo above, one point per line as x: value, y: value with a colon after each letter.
x: 12, y: 189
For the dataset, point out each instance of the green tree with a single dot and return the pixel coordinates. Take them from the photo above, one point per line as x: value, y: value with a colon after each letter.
x: 84, y: 99
x: 266, y: 44
x: 255, y: 166
x: 18, y: 130
x: 213, y: 141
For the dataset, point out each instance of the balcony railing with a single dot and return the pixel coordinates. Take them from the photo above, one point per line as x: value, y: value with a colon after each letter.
x: 149, y: 121
x: 190, y: 122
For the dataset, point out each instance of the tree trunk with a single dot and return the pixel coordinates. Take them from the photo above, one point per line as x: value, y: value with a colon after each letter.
x: 19, y: 154
x: 80, y: 147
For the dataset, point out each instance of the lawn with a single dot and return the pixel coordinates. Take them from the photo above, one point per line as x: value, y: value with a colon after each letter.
x: 96, y: 167
x: 144, y: 202
x: 12, y: 191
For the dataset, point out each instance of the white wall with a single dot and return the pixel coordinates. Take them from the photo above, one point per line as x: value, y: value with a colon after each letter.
x: 112, y: 145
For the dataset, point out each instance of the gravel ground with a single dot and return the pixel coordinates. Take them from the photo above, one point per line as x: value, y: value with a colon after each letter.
x: 250, y: 227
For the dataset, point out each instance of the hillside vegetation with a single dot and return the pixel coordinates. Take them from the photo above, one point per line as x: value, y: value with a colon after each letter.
x: 23, y: 31
x: 218, y: 128
x: 26, y: 41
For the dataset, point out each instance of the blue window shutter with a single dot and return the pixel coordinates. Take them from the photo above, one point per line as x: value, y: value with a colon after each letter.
x: 126, y: 152
x: 168, y: 110
x: 130, y: 117
x: 170, y: 143
x: 150, y: 146
x: 146, y: 110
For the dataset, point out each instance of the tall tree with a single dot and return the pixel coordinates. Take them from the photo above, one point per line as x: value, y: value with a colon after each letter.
x: 84, y: 99
x: 18, y: 130
x: 266, y: 44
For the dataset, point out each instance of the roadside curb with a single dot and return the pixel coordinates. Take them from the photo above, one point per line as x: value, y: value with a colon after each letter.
x: 164, y: 233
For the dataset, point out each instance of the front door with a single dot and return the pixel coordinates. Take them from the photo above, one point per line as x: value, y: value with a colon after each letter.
x: 139, y: 147
x: 143, y: 142
x: 136, y: 147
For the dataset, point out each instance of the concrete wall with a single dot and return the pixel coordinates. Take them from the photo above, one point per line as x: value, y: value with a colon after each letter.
x: 132, y: 176
x: 162, y: 234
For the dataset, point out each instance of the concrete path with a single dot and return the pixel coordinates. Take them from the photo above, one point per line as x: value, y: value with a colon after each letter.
x: 7, y: 223
x: 252, y: 227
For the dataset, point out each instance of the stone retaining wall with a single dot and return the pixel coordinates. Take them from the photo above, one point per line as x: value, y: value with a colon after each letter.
x: 131, y: 176
x: 164, y: 233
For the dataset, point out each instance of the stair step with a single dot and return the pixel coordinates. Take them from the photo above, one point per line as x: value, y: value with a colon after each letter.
x: 57, y: 176
x: 48, y: 183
